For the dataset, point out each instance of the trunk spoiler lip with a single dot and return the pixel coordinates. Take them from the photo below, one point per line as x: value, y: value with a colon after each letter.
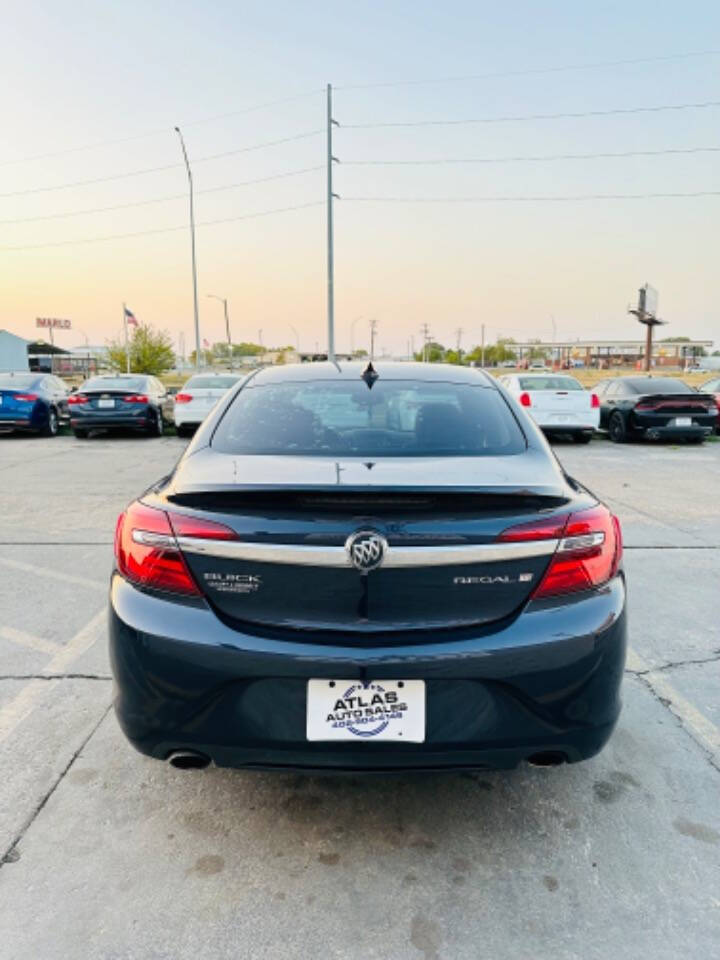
x: 552, y: 491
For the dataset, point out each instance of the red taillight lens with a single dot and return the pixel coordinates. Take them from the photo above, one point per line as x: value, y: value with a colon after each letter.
x: 525, y: 400
x: 594, y: 401
x: 147, y: 552
x: 645, y: 406
x: 75, y: 398
x: 136, y: 398
x: 26, y: 397
x: 588, y: 553
x: 183, y: 397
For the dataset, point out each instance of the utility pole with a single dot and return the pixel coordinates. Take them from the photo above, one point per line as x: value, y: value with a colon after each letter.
x: 458, y: 334
x: 224, y: 302
x: 127, y: 342
x: 330, y: 238
x: 425, y: 331
x: 482, y: 345
x: 373, y: 331
x: 646, y: 311
x: 192, y: 241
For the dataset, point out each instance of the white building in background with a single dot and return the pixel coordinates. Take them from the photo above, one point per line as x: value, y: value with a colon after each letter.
x: 13, y: 352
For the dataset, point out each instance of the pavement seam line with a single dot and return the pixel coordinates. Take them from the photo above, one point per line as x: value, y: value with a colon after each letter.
x: 672, y: 664
x: 54, y: 676
x: 23, y: 703
x: 5, y: 858
x: 698, y: 727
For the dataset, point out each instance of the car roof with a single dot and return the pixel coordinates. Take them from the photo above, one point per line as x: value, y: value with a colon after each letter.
x: 387, y: 370
x: 544, y: 376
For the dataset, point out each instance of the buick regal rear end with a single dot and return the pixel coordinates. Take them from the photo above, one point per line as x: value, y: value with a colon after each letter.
x: 368, y: 570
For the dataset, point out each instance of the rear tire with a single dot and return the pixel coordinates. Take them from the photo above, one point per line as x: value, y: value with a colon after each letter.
x: 617, y: 428
x: 582, y: 437
x: 51, y: 427
x: 80, y: 434
x: 155, y: 427
x: 183, y: 431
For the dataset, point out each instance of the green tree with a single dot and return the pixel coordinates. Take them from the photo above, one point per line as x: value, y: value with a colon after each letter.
x: 360, y: 353
x: 150, y: 351
x: 206, y: 358
x: 247, y: 349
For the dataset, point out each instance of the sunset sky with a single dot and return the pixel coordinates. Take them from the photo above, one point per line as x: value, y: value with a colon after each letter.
x: 92, y: 91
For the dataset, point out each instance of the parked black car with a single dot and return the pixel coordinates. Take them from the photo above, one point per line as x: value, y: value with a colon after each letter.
x: 123, y: 400
x: 360, y: 569
x: 658, y: 408
x: 36, y: 402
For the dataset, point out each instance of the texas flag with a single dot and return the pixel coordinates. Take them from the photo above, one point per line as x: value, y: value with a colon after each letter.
x: 130, y: 317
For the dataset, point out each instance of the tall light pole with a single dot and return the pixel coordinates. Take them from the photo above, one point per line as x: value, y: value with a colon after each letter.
x: 223, y: 300
x: 373, y: 331
x: 330, y: 241
x: 192, y: 240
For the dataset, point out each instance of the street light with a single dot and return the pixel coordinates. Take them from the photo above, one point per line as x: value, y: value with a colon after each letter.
x: 223, y: 300
x: 192, y: 240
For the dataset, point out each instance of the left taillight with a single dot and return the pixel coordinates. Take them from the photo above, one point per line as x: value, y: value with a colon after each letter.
x: 76, y: 398
x: 588, y: 553
x: 147, y: 552
x: 594, y: 401
x: 136, y: 398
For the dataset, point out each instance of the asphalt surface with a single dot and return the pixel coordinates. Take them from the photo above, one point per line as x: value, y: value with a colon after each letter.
x: 108, y: 854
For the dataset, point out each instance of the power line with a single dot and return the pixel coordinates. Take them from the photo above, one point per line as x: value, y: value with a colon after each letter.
x: 144, y: 233
x: 551, y: 199
x: 534, y: 159
x: 152, y: 200
x: 171, y: 166
x: 535, y: 71
x: 158, y: 131
x: 533, y: 116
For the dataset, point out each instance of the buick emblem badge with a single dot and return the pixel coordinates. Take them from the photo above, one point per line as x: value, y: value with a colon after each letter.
x: 366, y: 550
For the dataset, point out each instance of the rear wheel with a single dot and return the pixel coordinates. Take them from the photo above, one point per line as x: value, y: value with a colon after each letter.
x: 183, y: 431
x: 155, y: 427
x: 80, y: 434
x: 617, y: 428
x: 51, y: 427
x: 582, y: 437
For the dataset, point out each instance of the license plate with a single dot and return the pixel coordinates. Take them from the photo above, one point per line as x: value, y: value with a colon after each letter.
x: 379, y: 710
x: 106, y: 404
x: 683, y: 421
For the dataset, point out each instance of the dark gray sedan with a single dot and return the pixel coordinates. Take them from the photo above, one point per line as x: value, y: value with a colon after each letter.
x: 119, y: 401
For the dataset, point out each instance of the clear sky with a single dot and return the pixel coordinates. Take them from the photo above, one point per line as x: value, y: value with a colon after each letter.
x: 78, y: 74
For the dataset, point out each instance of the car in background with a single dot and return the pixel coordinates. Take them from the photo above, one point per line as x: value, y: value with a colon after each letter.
x: 35, y: 402
x: 198, y: 396
x: 655, y: 408
x: 713, y: 386
x: 367, y: 568
x: 557, y: 402
x: 132, y: 401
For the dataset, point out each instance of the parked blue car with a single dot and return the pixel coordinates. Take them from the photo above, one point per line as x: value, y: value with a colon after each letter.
x: 36, y: 402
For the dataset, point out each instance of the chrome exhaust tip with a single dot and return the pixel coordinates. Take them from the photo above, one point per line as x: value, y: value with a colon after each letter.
x: 188, y: 760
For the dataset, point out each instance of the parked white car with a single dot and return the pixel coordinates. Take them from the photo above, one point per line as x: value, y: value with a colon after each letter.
x: 558, y: 403
x: 198, y: 396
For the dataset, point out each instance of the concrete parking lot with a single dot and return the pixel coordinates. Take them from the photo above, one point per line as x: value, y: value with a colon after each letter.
x: 106, y: 853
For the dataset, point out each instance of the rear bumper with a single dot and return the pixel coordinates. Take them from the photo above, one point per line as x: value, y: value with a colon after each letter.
x: 548, y: 682
x: 101, y: 422
x: 674, y: 433
x: 550, y: 423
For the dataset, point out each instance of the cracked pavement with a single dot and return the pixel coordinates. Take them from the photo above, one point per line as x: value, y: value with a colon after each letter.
x: 106, y: 853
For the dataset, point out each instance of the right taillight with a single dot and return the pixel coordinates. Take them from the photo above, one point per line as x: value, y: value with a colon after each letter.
x: 76, y: 398
x: 147, y: 552
x: 183, y: 397
x: 594, y: 401
x: 588, y: 553
x: 525, y: 400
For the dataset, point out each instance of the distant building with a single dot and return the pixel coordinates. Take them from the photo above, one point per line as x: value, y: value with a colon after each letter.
x: 13, y: 352
x: 612, y: 353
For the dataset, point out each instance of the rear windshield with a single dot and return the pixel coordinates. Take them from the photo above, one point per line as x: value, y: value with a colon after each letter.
x: 549, y: 383
x: 396, y: 418
x: 17, y: 382
x: 660, y: 385
x: 211, y: 383
x: 115, y: 383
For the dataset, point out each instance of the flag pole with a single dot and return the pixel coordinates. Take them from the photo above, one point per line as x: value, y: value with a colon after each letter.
x: 127, y: 346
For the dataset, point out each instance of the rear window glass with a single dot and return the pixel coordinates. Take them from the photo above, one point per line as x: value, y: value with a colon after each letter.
x: 211, y: 383
x: 549, y: 383
x: 659, y: 385
x: 115, y: 383
x: 21, y: 382
x: 396, y: 418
